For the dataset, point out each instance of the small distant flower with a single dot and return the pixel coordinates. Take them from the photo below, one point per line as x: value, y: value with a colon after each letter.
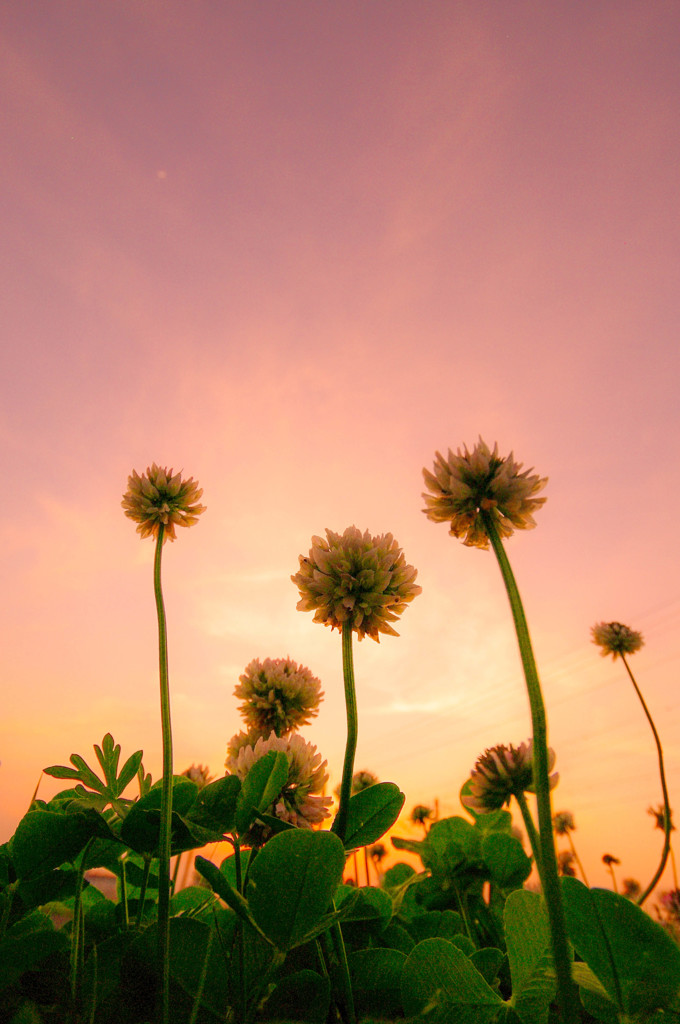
x: 563, y: 822
x: 631, y: 888
x: 198, y: 774
x: 363, y: 780
x: 502, y: 772
x: 278, y: 694
x: 356, y: 578
x: 377, y: 852
x: 159, y: 497
x: 659, y: 814
x: 671, y: 902
x: 468, y: 483
x: 360, y: 780
x: 616, y: 639
x: 609, y: 859
x: 565, y: 864
x: 299, y: 802
x: 421, y: 814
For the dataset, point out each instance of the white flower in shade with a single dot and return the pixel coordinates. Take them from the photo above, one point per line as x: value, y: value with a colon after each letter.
x: 300, y: 802
x: 241, y: 740
x: 199, y: 774
x: 502, y: 772
x: 159, y: 497
x: 468, y: 483
x: 356, y: 578
x: 278, y: 694
x: 616, y: 639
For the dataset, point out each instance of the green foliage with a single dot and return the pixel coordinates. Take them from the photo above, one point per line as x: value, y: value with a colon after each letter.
x: 527, y: 934
x: 46, y: 839
x: 113, y: 785
x: 371, y: 812
x: 440, y: 984
x: 635, y: 961
x: 291, y: 885
x: 262, y: 785
x: 460, y: 942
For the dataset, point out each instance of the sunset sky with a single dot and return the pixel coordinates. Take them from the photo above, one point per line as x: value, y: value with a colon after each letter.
x: 293, y: 248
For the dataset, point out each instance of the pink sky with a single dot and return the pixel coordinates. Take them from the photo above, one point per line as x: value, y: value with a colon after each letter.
x: 293, y: 248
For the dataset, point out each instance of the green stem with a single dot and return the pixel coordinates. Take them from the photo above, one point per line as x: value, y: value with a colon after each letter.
x: 534, y: 839
x: 175, y: 872
x: 611, y: 872
x: 240, y: 937
x: 78, y: 931
x: 201, y: 981
x: 664, y: 790
x: 340, y: 823
x: 163, y: 946
x: 142, y: 892
x: 124, y: 891
x: 578, y: 859
x: 344, y: 980
x: 549, y: 875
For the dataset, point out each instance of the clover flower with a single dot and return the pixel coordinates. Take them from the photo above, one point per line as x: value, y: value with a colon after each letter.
x: 616, y: 639
x: 241, y: 740
x: 631, y: 888
x: 299, y: 802
x: 158, y: 497
x: 609, y: 859
x: 565, y: 864
x: 670, y: 901
x: 421, y: 814
x: 502, y: 772
x: 278, y: 694
x: 357, y: 579
x: 659, y: 814
x: 563, y: 822
x: 377, y: 852
x: 471, y: 482
x: 198, y: 774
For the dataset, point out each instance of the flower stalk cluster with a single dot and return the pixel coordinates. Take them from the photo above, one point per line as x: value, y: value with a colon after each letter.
x: 158, y: 501
x: 361, y: 584
x: 485, y: 497
x: 356, y: 579
x: 278, y: 697
x: 619, y: 640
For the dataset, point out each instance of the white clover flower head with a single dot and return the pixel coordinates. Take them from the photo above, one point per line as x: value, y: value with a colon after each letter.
x: 563, y: 822
x: 616, y: 639
x: 500, y: 773
x: 278, y: 694
x: 468, y: 483
x: 300, y: 802
x: 159, y: 497
x: 565, y: 866
x: 357, y: 579
x: 421, y: 813
x: 199, y: 774
x: 241, y: 740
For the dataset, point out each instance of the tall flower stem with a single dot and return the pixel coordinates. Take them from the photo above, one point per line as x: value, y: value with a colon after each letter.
x: 340, y: 823
x: 664, y: 789
x: 549, y: 874
x: 163, y: 946
x: 577, y: 859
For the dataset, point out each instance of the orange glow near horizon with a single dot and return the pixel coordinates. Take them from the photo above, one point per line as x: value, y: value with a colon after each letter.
x: 293, y: 250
